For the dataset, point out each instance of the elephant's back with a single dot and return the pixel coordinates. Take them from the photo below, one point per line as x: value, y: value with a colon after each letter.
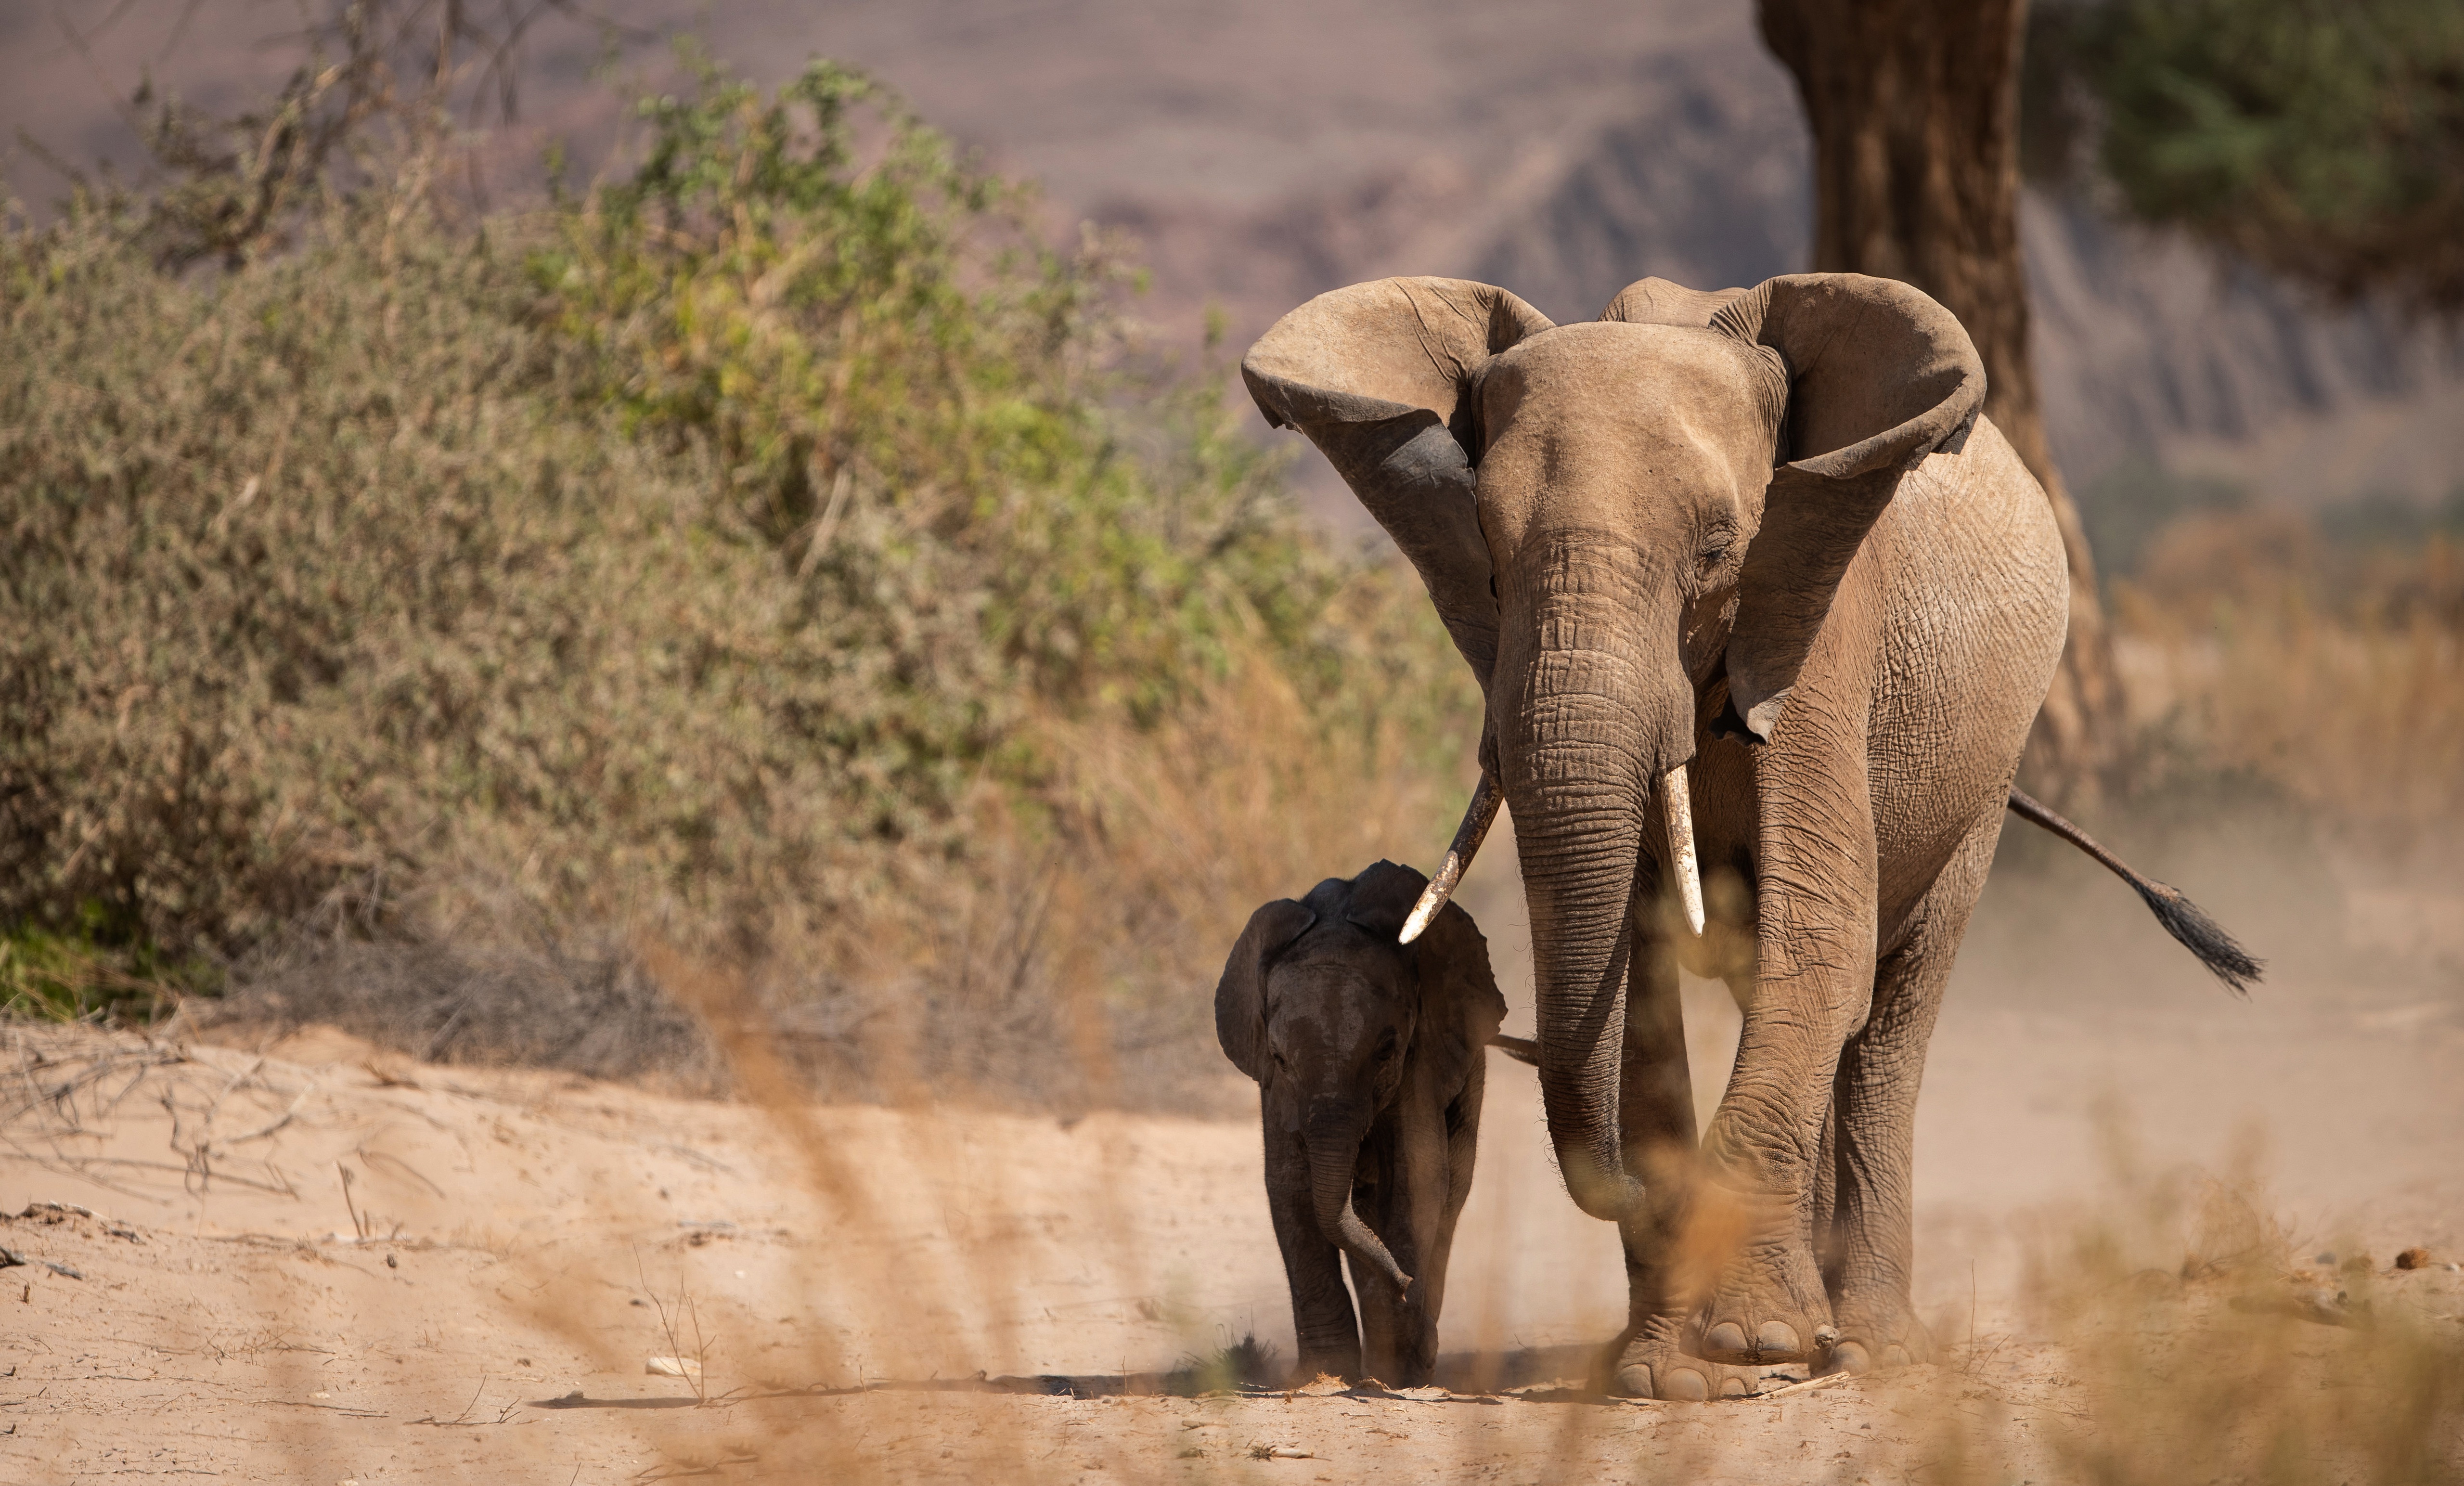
x: 1973, y: 596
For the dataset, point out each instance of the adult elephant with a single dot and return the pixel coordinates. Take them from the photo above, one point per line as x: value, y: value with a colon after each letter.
x: 1753, y: 557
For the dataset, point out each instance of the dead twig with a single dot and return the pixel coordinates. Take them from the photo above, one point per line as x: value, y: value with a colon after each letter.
x: 371, y: 1158
x: 277, y: 1123
x: 696, y: 1374
x: 359, y: 1225
x: 463, y: 1420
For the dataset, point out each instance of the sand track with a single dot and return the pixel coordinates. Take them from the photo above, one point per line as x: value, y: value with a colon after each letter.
x: 318, y: 1262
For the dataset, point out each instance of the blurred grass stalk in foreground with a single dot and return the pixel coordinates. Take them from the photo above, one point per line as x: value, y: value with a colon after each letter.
x: 2196, y: 1343
x: 2169, y: 1331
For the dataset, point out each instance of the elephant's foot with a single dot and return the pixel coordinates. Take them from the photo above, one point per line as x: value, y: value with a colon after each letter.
x: 1877, y: 1331
x: 1646, y: 1364
x: 1315, y: 1365
x: 1768, y: 1307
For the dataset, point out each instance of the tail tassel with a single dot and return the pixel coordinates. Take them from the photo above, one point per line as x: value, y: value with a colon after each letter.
x: 2186, y: 921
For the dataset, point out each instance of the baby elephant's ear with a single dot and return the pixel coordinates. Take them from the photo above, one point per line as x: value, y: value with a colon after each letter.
x: 1241, y: 995
x: 1381, y: 898
x: 1459, y: 995
x: 1383, y: 377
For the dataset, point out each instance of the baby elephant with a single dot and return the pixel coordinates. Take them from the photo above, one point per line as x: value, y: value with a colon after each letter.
x: 1368, y: 1056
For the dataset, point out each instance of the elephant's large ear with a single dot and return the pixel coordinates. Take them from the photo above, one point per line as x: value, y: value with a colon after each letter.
x: 1381, y: 377
x: 1241, y: 995
x: 1880, y: 376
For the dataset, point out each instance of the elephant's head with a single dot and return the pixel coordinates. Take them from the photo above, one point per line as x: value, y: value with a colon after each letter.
x: 1632, y: 527
x: 1328, y: 1012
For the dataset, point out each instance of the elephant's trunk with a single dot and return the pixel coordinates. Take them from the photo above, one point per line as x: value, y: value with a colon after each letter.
x: 1578, y: 880
x: 1589, y: 729
x: 1335, y: 1137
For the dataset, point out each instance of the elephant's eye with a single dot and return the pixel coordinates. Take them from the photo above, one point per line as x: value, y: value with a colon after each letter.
x: 1388, y: 1044
x: 1714, y: 556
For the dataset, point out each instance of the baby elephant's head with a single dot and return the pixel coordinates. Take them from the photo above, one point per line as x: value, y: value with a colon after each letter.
x: 1336, y: 1020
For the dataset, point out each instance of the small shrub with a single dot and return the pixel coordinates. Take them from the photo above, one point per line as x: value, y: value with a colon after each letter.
x: 92, y: 969
x: 771, y: 552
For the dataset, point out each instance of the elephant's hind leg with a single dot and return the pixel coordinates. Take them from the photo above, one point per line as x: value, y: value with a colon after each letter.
x: 1865, y: 1217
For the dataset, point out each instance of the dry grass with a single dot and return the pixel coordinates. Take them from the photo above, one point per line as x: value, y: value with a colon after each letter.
x: 1065, y: 962
x: 2195, y: 1344
x: 2337, y: 676
x: 1073, y: 968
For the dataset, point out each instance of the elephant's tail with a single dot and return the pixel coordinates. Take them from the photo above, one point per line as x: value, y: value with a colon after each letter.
x: 1523, y: 1050
x: 2183, y: 918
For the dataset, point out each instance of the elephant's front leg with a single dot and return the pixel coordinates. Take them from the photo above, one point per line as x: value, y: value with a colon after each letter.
x: 1752, y: 1212
x: 1404, y: 1197
x: 1390, y: 1320
x: 1652, y: 1357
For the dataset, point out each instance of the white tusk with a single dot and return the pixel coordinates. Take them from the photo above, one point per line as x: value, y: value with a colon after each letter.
x: 1478, y: 816
x: 1678, y: 806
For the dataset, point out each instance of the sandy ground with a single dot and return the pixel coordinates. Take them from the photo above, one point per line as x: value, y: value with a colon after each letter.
x: 318, y: 1262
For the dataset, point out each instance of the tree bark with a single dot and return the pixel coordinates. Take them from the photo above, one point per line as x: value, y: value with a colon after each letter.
x: 1914, y: 109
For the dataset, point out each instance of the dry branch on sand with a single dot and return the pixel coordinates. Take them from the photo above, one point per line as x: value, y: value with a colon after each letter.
x: 69, y: 1084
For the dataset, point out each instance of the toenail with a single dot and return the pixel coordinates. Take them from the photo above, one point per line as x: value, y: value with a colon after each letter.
x: 1686, y: 1386
x: 1776, y: 1336
x: 1895, y: 1356
x: 1851, y: 1357
x: 1733, y: 1388
x: 1634, y: 1383
x: 1725, y: 1340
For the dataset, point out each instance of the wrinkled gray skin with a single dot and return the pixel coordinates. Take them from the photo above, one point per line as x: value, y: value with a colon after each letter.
x: 1368, y: 1056
x: 1763, y: 533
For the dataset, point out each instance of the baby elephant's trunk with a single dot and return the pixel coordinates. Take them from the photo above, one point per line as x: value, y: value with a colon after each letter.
x: 1334, y: 1154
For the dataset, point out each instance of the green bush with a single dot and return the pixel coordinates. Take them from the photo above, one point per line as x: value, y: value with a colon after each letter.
x: 92, y: 968
x: 2324, y: 142
x: 681, y: 555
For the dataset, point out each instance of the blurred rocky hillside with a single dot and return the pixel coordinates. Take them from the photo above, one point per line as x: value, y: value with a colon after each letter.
x: 1263, y: 150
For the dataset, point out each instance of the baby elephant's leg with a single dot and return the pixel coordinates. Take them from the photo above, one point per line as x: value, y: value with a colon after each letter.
x: 1401, y: 1196
x: 1391, y: 1319
x: 1322, y: 1319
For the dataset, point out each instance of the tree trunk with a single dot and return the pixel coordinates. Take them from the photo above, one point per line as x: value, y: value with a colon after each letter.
x: 1914, y: 109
